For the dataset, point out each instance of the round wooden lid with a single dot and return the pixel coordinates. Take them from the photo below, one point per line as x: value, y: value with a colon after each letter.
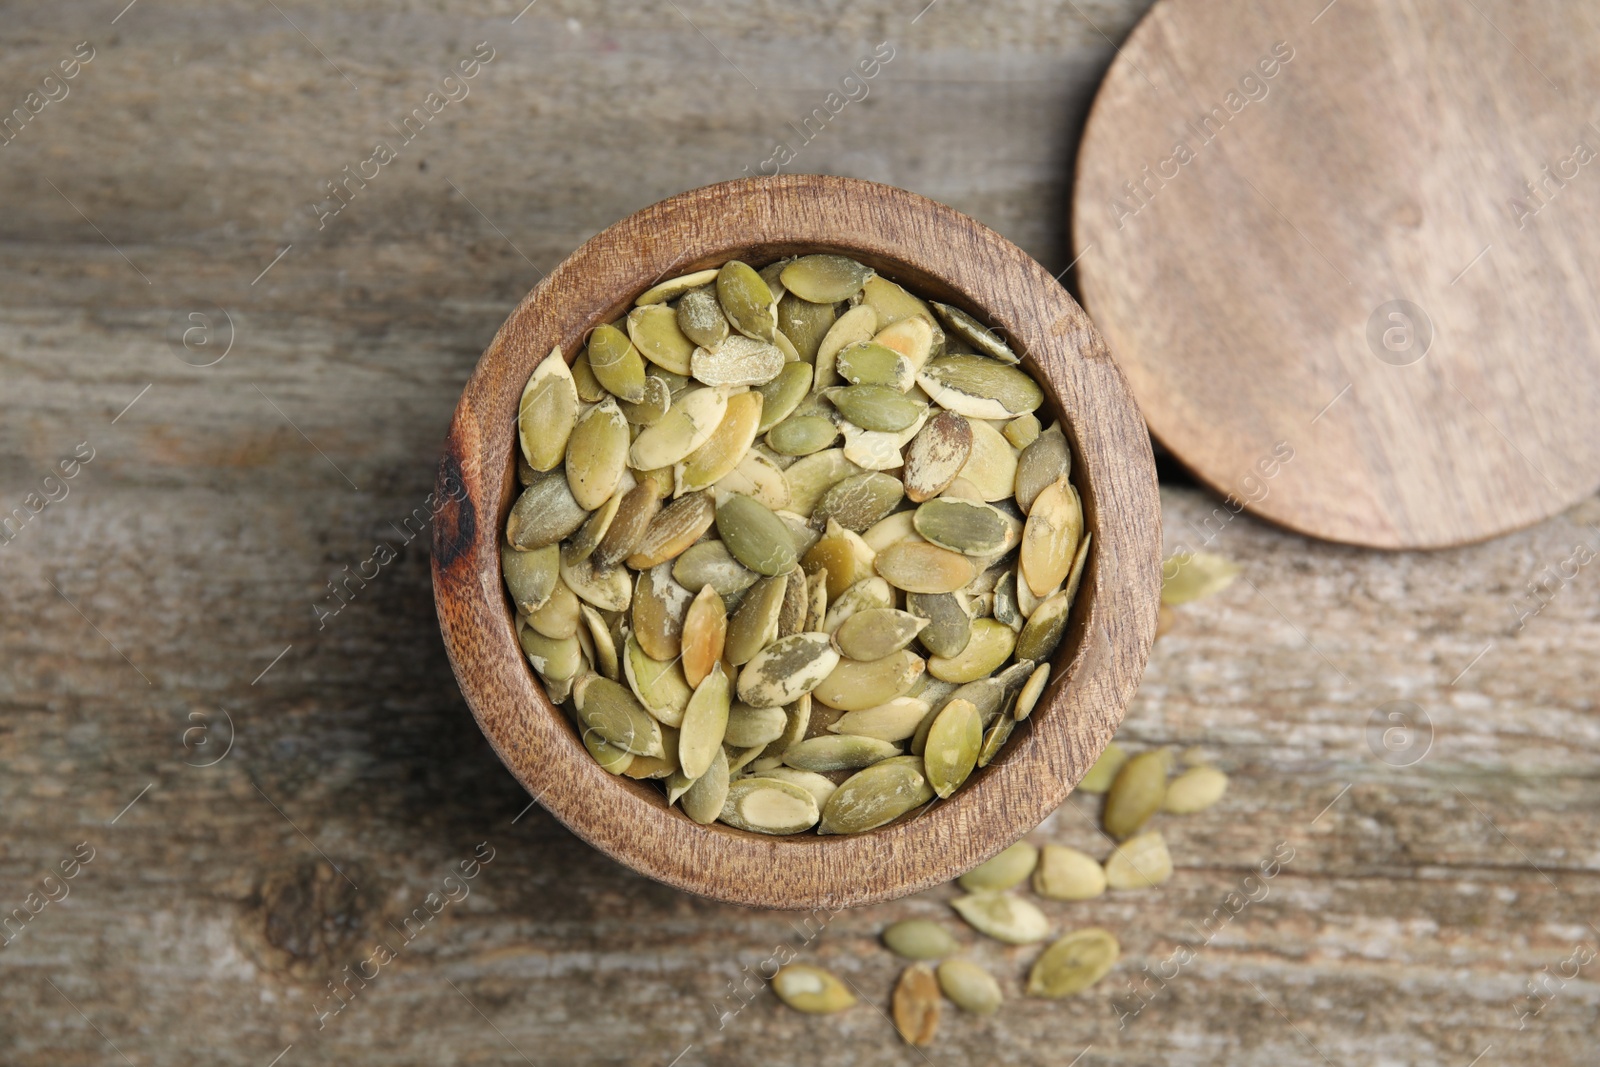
x: 1348, y: 257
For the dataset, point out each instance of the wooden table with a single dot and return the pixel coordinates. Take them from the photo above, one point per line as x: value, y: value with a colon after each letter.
x: 163, y: 207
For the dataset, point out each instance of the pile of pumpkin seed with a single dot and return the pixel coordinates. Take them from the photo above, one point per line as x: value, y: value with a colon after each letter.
x: 793, y: 541
x: 1136, y: 788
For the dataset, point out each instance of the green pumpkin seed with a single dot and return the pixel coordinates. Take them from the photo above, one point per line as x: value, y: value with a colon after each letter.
x: 951, y: 749
x: 919, y: 567
x: 870, y: 592
x: 1022, y: 431
x: 676, y: 287
x: 659, y: 685
x: 705, y: 721
x: 980, y: 388
x: 860, y: 500
x: 805, y: 324
x: 969, y: 527
x: 875, y: 797
x: 612, y: 760
x: 876, y: 407
x: 561, y: 615
x: 920, y: 939
x: 772, y: 274
x: 613, y: 713
x: 547, y: 412
x: 654, y: 331
x: 556, y: 659
x: 738, y: 361
x: 802, y: 435
x: 693, y: 418
x: 1194, y: 790
x: 949, y: 621
x: 607, y: 590
x: 1073, y: 963
x: 1005, y: 608
x: 839, y: 752
x: 544, y: 513
x: 975, y: 333
x: 1011, y: 867
x: 871, y: 363
x: 1041, y: 635
x: 1041, y: 464
x: 530, y: 576
x: 970, y: 987
x: 995, y: 738
x: 653, y: 408
x: 754, y: 625
x: 594, y: 528
x: 636, y: 510
x: 769, y: 806
x: 1067, y: 874
x: 705, y: 797
x: 811, y: 989
x: 746, y: 301
x: 854, y: 326
x: 709, y: 563
x: 783, y: 394
x: 1032, y: 690
x: 700, y: 317
x: 787, y: 669
x: 825, y: 278
x: 749, y: 727
x: 1050, y: 539
x: 756, y: 537
x: 856, y: 686
x: 809, y: 478
x: 896, y: 720
x: 1137, y: 793
x: 893, y: 304
x: 876, y: 632
x: 673, y: 530
x: 597, y: 454
x: 590, y: 391
x: 1003, y: 917
x: 1141, y: 862
x: 659, y: 607
x: 616, y: 364
x: 1105, y: 770
x: 725, y: 448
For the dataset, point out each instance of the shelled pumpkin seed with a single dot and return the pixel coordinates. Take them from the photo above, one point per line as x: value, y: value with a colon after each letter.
x: 786, y: 544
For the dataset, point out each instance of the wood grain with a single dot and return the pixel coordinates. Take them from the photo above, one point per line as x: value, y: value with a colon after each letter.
x: 939, y: 254
x: 1319, y: 229
x: 206, y: 527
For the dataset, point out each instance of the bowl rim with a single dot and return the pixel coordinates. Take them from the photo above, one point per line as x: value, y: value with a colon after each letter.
x: 936, y: 252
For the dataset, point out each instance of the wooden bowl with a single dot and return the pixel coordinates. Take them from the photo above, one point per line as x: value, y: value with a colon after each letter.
x: 936, y: 252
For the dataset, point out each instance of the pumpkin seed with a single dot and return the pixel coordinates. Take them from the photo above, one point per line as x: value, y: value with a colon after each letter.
x: 659, y: 685
x: 705, y: 630
x: 805, y: 324
x: 557, y: 659
x: 547, y: 412
x: 1041, y: 634
x: 673, y: 530
x: 750, y: 727
x: 741, y: 758
x: 991, y: 468
x: 859, y: 500
x: 1009, y: 868
x: 874, y: 797
x: 876, y: 407
x: 757, y: 477
x: 893, y: 303
x: 612, y: 760
x: 583, y: 543
x: 1073, y: 963
x: 856, y: 325
x: 769, y: 806
x: 913, y: 338
x: 1079, y: 561
x: 783, y: 394
x: 1004, y: 607
x: 560, y: 616
x: 1104, y: 772
x: 879, y: 450
x: 919, y: 567
x: 871, y: 363
x: 915, y: 1005
x: 705, y: 721
x: 970, y: 987
x: 1190, y: 576
x: 605, y: 646
x: 896, y: 720
x: 825, y: 278
x: 616, y: 364
x: 949, y: 621
x: 613, y: 713
x: 654, y: 331
x: 843, y: 555
x: 820, y: 787
x: 1141, y: 862
x: 786, y: 669
x: 855, y: 686
x: 799, y: 716
x: 590, y: 391
x: 530, y: 576
x: 544, y: 513
x: 1050, y: 539
x: 754, y: 624
x: 868, y: 593
x: 979, y: 388
x: 796, y: 601
x: 969, y: 527
x: 936, y: 455
x: 1003, y: 916
x: 597, y: 454
x: 802, y: 435
x: 876, y: 633
x: 1022, y: 431
x: 772, y: 274
x: 975, y: 333
x: 690, y: 422
x: 738, y: 361
x: 811, y: 989
x: 655, y: 405
x: 951, y: 749
x: 1031, y: 691
x: 891, y: 530
x: 838, y: 752
x: 1067, y: 874
x: 705, y: 797
x: 756, y: 537
x: 811, y: 477
x: 606, y: 590
x: 675, y: 287
x: 1043, y: 463
x: 1194, y: 790
x: 659, y: 607
x: 700, y: 317
x: 725, y: 448
x: 637, y: 509
x: 746, y: 301
x: 1137, y: 793
x: 920, y: 939
x: 994, y: 739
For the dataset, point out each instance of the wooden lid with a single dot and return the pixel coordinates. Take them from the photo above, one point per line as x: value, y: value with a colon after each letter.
x: 1349, y: 260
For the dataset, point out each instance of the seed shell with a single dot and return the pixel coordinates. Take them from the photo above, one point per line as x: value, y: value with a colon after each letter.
x: 916, y: 1005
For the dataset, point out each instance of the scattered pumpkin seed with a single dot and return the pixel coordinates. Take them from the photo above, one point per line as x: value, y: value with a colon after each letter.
x: 1137, y: 793
x: 1003, y: 916
x: 811, y: 989
x: 1073, y: 964
x: 920, y: 939
x: 916, y: 1005
x: 1190, y: 576
x: 1009, y: 868
x: 1105, y: 769
x: 970, y: 987
x: 1141, y: 862
x: 1194, y: 790
x: 1068, y: 874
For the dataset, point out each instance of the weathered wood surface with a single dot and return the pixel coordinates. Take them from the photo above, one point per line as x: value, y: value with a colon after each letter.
x: 203, y: 531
